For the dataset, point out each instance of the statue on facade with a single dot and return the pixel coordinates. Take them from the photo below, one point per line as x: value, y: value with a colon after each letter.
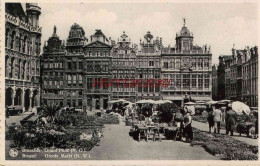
x: 54, y: 29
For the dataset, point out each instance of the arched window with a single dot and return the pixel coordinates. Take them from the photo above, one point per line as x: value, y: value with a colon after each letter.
x: 6, y: 66
x: 6, y: 37
x: 20, y: 42
x: 25, y: 41
x: 13, y: 40
x: 19, y: 70
x: 11, y: 73
x: 23, y: 69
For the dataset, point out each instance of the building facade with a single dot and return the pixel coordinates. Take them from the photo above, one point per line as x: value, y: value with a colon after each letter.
x: 88, y: 65
x: 124, y: 67
x: 188, y: 67
x: 53, y: 71
x: 22, y: 55
x: 148, y: 60
x: 214, y: 83
x: 242, y: 82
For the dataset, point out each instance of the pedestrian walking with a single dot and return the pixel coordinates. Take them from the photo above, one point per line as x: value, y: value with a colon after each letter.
x: 230, y: 121
x: 187, y: 131
x: 210, y: 117
x: 217, y: 115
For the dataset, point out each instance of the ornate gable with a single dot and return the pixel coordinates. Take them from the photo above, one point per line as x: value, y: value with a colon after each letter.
x: 98, y: 44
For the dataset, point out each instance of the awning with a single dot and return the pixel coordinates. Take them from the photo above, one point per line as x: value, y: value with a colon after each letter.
x: 202, y: 98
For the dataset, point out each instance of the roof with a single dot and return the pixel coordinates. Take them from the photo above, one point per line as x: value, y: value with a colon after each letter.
x: 16, y: 10
x: 225, y: 57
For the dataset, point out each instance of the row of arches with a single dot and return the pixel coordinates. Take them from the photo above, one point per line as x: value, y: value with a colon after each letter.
x: 16, y: 41
x: 19, y: 68
x: 27, y: 98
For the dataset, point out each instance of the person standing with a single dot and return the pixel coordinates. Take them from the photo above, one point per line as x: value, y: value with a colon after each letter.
x: 217, y: 115
x: 230, y: 121
x: 187, y: 131
x: 210, y: 117
x: 178, y: 120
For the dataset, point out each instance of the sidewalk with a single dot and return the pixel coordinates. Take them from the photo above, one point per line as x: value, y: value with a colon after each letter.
x: 205, y: 127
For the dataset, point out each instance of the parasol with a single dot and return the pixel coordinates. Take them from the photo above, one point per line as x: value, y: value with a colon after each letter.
x: 190, y: 103
x: 200, y: 102
x: 240, y: 107
x: 211, y: 102
x: 145, y: 101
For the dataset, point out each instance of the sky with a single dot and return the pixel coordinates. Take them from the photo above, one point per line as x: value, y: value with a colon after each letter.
x: 219, y: 25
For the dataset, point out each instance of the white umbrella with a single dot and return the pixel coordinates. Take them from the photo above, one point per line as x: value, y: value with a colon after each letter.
x: 158, y: 102
x: 190, y: 103
x: 141, y: 102
x: 145, y: 101
x: 167, y: 101
x: 240, y: 107
x: 225, y: 101
x: 112, y: 101
x: 211, y: 102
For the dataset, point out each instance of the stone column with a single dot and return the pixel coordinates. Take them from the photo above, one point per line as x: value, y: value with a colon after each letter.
x: 101, y: 103
x: 13, y: 96
x: 22, y: 99
x: 93, y: 103
x: 31, y: 100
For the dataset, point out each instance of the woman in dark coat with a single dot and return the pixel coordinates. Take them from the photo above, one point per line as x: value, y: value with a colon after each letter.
x: 210, y: 118
x: 231, y: 118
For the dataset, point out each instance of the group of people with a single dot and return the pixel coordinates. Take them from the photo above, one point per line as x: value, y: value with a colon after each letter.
x: 216, y: 115
x: 183, y: 119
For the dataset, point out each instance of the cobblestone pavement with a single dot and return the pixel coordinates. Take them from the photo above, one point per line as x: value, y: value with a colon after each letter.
x: 118, y: 145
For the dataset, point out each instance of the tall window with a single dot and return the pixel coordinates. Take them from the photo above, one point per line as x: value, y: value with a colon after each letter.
x: 200, y: 64
x: 200, y: 80
x: 69, y: 65
x: 97, y: 85
x: 186, y: 80
x: 165, y: 65
x: 194, y: 63
x: 178, y: 63
x: 80, y: 79
x: 89, y: 66
x: 89, y: 83
x: 69, y: 79
x: 206, y: 63
x: 151, y: 63
x: 74, y: 65
x: 80, y: 65
x: 206, y: 81
x: 178, y: 80
x: 74, y: 79
x: 172, y: 65
x: 194, y: 81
